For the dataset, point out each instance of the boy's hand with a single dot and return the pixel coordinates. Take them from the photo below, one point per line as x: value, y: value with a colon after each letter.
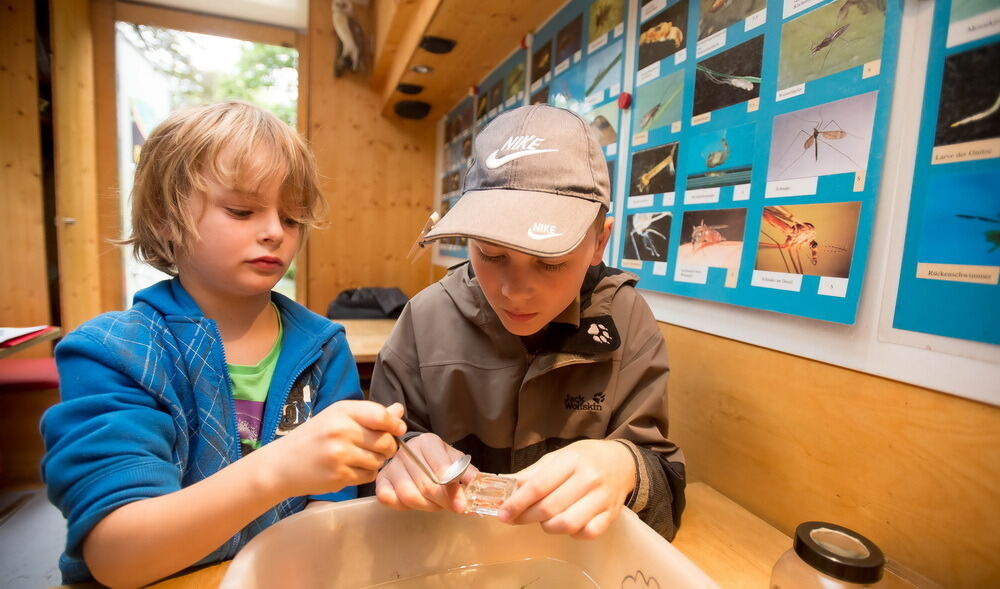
x: 577, y: 490
x: 402, y: 485
x: 345, y: 444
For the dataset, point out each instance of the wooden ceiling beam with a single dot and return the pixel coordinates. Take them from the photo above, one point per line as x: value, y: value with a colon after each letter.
x: 485, y: 34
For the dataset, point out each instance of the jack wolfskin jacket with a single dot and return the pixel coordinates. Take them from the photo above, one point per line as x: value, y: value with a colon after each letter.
x: 598, y: 371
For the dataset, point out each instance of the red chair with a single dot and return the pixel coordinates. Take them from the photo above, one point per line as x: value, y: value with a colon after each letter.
x: 28, y: 374
x: 28, y: 386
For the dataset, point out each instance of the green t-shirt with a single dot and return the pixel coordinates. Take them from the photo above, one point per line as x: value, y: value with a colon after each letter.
x: 250, y: 385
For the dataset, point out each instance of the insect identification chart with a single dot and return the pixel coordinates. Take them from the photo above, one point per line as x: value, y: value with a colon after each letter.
x: 951, y: 255
x: 756, y: 148
x: 456, y: 159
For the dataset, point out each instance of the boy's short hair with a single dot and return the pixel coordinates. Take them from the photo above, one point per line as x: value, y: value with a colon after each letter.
x: 537, y: 184
x: 236, y: 144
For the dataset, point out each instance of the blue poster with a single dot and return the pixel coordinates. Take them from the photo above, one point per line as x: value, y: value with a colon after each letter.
x: 755, y: 152
x: 948, y: 282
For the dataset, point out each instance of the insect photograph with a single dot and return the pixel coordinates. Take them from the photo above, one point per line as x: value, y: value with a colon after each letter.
x: 604, y: 68
x: 654, y: 170
x: 540, y: 97
x: 658, y: 103
x: 648, y: 237
x: 813, y: 239
x: 961, y: 222
x: 663, y: 35
x: 712, y: 237
x: 830, y: 39
x: 831, y: 138
x: 716, y: 15
x: 569, y: 39
x: 541, y: 61
x: 728, y: 78
x: 482, y: 105
x: 604, y: 122
x: 566, y: 91
x: 611, y: 179
x: 605, y: 15
x: 970, y: 97
x: 514, y: 82
x: 496, y: 95
x: 721, y: 158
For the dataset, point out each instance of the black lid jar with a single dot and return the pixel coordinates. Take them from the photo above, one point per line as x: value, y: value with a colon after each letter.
x: 828, y: 556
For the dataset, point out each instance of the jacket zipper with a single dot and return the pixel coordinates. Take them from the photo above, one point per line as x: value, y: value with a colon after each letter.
x: 234, y: 430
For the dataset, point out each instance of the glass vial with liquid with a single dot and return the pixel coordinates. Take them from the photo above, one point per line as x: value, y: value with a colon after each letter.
x: 487, y: 492
x: 828, y: 556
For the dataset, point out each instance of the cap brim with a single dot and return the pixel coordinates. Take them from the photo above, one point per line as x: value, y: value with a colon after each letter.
x: 536, y: 223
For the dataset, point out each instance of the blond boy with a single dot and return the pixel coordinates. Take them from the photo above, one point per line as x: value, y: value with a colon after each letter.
x: 213, y: 407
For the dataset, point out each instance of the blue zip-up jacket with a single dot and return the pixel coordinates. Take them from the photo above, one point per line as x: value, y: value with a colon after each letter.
x: 147, y: 409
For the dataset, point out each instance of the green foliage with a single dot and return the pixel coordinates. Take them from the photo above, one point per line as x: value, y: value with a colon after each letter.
x: 265, y: 75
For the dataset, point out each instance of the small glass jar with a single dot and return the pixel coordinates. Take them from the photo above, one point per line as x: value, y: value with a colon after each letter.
x: 487, y: 492
x: 828, y: 556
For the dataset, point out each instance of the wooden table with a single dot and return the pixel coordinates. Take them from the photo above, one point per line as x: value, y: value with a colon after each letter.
x: 366, y: 336
x: 731, y: 545
x: 37, y: 338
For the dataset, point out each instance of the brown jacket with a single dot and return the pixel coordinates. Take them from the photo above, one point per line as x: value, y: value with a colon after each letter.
x: 597, y: 371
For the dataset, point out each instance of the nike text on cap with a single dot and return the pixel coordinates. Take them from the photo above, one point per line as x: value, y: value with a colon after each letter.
x: 537, y: 182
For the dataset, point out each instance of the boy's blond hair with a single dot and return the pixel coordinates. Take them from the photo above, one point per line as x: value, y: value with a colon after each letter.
x: 235, y: 143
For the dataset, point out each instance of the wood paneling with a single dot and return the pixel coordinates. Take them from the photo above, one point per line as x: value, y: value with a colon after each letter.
x: 486, y: 33
x: 25, y: 298
x: 377, y: 176
x: 75, y: 161
x: 792, y: 440
x: 204, y: 24
x: 102, y: 21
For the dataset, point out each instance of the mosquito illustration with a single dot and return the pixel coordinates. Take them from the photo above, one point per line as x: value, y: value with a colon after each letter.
x: 826, y: 42
x: 798, y: 234
x: 643, y: 232
x: 821, y: 133
x: 992, y: 236
x: 703, y: 235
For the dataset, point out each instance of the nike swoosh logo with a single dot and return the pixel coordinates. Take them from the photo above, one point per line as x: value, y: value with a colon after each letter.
x: 493, y: 162
x: 539, y: 236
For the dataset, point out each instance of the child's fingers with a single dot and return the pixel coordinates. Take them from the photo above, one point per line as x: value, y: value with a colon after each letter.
x: 597, y: 526
x: 412, y: 495
x: 557, y: 501
x: 375, y: 416
x: 573, y: 518
x: 533, y: 486
x: 386, y: 493
x: 396, y: 410
x: 378, y: 442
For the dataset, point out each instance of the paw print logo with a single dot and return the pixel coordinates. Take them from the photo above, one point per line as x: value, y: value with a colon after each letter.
x: 599, y: 333
x: 598, y: 397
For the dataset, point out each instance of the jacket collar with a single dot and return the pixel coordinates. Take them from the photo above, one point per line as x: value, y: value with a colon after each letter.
x: 585, y: 327
x: 171, y: 299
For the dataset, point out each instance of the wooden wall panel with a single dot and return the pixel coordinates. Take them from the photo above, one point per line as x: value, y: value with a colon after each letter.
x: 75, y: 161
x: 25, y: 298
x: 109, y: 225
x: 792, y: 440
x: 377, y: 174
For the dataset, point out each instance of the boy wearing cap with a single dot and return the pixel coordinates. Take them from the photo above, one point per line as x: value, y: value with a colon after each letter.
x: 534, y: 357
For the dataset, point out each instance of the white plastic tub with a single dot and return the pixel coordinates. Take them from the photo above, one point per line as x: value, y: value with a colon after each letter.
x: 361, y: 543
